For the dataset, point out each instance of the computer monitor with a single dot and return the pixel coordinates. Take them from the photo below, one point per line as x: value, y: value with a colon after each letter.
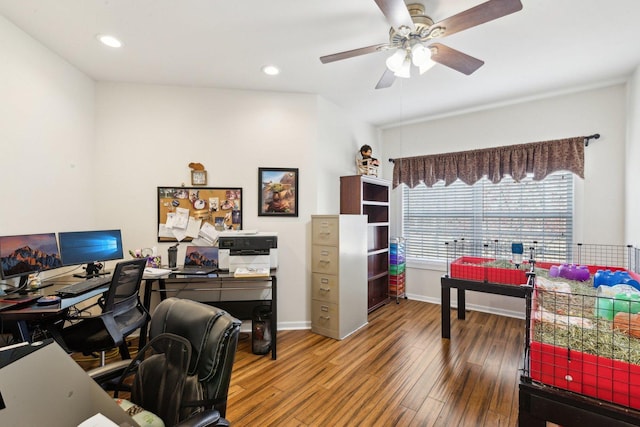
x: 91, y: 248
x: 22, y: 255
x: 201, y: 256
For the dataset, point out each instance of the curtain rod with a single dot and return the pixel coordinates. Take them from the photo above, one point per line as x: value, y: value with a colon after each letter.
x: 586, y: 142
x: 590, y: 137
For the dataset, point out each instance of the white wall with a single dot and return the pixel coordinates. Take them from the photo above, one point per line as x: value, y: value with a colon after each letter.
x: 339, y: 140
x: 79, y: 155
x: 147, y: 135
x: 46, y: 138
x: 600, y: 198
x: 632, y: 156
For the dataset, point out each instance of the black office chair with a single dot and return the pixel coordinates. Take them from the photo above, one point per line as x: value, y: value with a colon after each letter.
x: 182, y: 375
x: 122, y: 313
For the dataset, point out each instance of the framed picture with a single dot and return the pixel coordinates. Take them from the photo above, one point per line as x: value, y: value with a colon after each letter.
x: 191, y: 213
x: 198, y: 177
x: 277, y: 192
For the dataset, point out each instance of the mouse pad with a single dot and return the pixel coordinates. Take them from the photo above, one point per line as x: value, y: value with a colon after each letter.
x: 10, y: 302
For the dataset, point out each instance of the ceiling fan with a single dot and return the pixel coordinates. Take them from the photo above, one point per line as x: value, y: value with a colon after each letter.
x: 411, y: 34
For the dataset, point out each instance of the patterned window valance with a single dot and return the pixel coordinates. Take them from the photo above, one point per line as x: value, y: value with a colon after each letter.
x: 538, y: 158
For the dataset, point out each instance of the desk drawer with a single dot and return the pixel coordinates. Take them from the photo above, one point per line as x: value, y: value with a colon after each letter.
x: 324, y: 287
x: 324, y: 259
x: 324, y: 318
x: 325, y: 231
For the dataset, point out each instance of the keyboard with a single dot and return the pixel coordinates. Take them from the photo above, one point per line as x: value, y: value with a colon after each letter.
x: 84, y: 286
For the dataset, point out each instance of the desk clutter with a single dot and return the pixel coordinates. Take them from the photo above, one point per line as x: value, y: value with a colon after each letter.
x: 251, y: 251
x: 239, y: 275
x: 156, y: 272
x: 251, y: 272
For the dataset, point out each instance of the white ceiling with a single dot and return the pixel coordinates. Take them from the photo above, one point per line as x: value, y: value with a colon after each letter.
x: 549, y: 46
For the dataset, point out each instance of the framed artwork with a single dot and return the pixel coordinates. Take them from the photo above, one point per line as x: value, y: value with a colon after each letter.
x: 198, y: 177
x: 189, y: 213
x: 277, y: 192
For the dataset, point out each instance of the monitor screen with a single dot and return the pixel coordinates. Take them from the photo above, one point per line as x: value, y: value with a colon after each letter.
x: 85, y: 247
x: 28, y: 253
x: 201, y: 256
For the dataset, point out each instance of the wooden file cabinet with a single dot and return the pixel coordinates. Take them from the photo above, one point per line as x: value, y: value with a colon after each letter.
x: 339, y: 274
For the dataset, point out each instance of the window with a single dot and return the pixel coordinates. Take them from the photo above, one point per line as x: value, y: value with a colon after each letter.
x: 485, y: 213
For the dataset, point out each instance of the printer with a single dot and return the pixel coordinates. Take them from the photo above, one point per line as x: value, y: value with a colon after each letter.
x: 247, y: 249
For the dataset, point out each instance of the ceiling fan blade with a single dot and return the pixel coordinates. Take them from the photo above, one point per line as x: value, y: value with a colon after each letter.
x: 485, y: 12
x: 351, y: 53
x: 387, y: 79
x: 455, y: 59
x: 396, y: 13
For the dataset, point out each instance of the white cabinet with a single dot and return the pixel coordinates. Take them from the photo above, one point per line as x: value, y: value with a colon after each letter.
x: 339, y: 274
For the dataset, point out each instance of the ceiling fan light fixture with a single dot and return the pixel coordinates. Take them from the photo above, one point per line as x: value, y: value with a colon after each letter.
x: 412, y: 33
x: 405, y: 70
x: 420, y: 54
x: 395, y: 61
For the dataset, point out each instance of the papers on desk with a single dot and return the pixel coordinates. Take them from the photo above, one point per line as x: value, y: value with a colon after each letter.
x: 98, y: 420
x: 251, y: 272
x: 156, y: 272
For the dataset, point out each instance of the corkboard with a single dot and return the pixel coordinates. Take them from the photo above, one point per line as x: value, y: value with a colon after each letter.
x: 219, y: 206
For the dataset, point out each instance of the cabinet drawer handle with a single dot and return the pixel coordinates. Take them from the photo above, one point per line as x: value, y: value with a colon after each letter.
x: 324, y: 281
x: 324, y: 253
x: 325, y: 317
x: 325, y: 289
x: 324, y: 308
x: 324, y: 261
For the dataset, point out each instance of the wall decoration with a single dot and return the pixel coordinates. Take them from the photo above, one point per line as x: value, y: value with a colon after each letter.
x: 198, y: 177
x: 198, y: 174
x: 277, y: 192
x: 198, y: 213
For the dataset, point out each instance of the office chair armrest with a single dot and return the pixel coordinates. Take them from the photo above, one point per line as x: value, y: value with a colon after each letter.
x: 206, y: 418
x: 111, y: 371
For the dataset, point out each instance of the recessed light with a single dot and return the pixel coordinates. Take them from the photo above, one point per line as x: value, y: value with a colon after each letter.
x: 109, y: 40
x: 271, y: 70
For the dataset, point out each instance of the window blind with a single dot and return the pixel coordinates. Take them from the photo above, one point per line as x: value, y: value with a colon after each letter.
x: 508, y: 211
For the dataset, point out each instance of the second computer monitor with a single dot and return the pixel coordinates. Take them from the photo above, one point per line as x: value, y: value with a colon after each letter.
x: 90, y: 247
x: 24, y: 254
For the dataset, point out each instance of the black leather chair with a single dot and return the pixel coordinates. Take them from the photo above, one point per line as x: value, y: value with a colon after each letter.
x: 122, y: 313
x: 182, y: 375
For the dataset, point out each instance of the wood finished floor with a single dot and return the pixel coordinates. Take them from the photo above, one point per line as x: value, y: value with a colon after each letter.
x: 396, y: 371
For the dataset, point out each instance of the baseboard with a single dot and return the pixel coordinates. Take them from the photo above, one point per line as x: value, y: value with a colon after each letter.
x: 282, y: 326
x: 472, y: 307
x: 294, y: 326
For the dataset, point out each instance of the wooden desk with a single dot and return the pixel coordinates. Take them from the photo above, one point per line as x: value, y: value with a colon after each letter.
x: 462, y: 285
x: 46, y: 314
x: 221, y: 290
